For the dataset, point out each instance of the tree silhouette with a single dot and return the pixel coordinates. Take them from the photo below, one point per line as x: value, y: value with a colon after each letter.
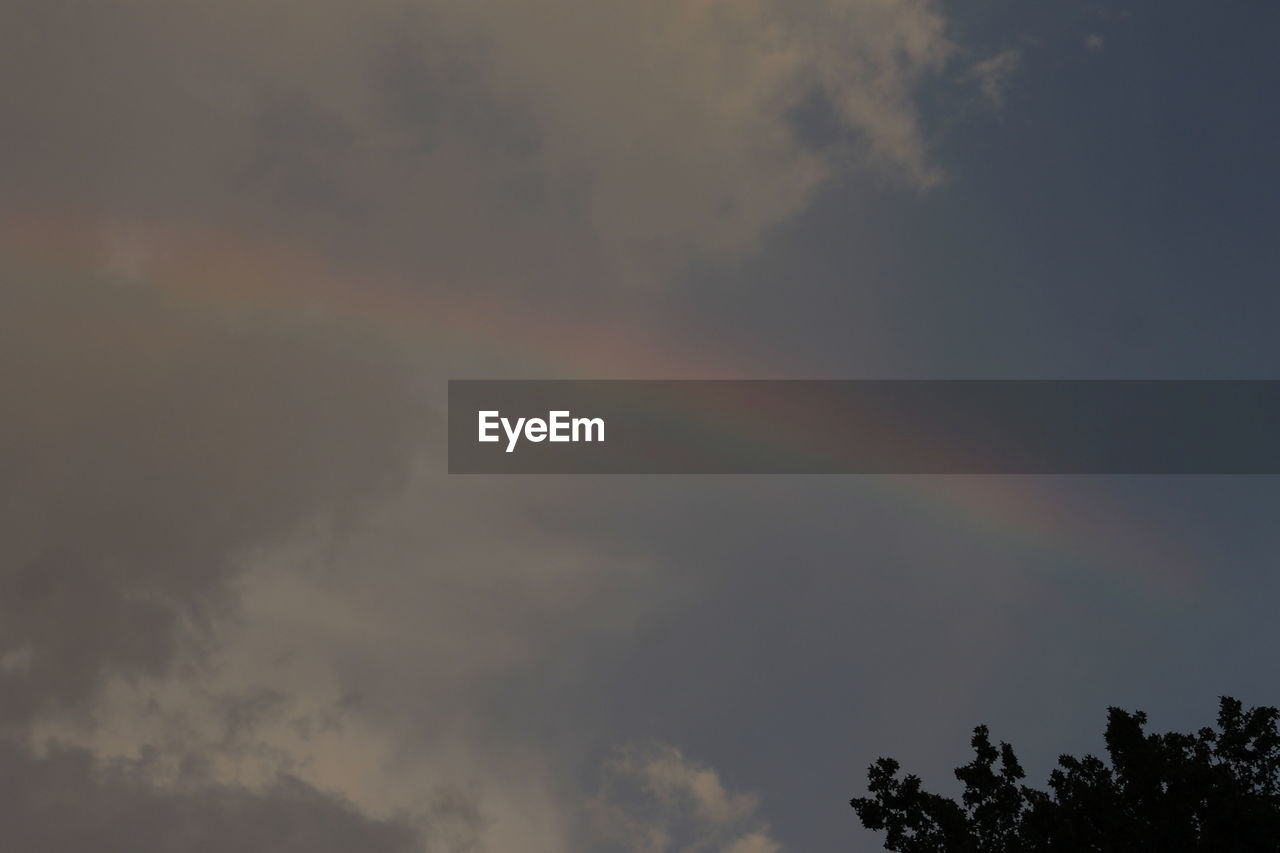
x: 1215, y: 790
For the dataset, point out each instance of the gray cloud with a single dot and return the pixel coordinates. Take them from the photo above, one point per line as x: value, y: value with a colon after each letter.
x: 234, y: 610
x: 656, y: 800
x: 145, y: 447
x: 148, y: 447
x: 425, y: 132
x: 66, y: 800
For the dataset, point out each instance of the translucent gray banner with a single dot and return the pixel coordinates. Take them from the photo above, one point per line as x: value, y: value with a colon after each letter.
x: 864, y: 427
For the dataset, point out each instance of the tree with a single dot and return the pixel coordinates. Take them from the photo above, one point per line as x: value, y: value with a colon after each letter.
x: 1216, y: 790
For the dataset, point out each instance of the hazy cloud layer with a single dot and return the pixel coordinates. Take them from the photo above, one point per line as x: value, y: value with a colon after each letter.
x: 147, y: 448
x: 637, y: 135
x: 230, y: 587
x: 146, y: 445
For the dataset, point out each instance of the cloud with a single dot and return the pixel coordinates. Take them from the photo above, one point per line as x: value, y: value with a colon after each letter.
x: 638, y: 135
x: 235, y: 610
x: 672, y: 116
x: 67, y: 800
x: 146, y: 446
x: 149, y: 445
x: 656, y: 800
x: 373, y: 662
x: 756, y: 842
x: 993, y: 75
x: 226, y: 568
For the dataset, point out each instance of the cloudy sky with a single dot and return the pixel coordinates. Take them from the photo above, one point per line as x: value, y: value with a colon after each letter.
x: 243, y: 245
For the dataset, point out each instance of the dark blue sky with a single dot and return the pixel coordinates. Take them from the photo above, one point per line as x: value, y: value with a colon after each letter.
x: 1114, y: 218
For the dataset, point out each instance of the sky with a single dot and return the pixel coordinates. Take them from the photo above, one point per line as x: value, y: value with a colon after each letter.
x: 243, y: 245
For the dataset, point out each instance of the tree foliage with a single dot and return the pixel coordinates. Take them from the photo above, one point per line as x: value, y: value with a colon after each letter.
x: 1215, y: 790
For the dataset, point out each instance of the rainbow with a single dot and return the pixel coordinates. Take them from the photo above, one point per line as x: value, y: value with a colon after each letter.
x: 221, y: 269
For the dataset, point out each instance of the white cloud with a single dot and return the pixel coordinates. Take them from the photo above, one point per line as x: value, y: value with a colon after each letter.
x: 756, y: 842
x: 655, y: 800
x: 994, y: 73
